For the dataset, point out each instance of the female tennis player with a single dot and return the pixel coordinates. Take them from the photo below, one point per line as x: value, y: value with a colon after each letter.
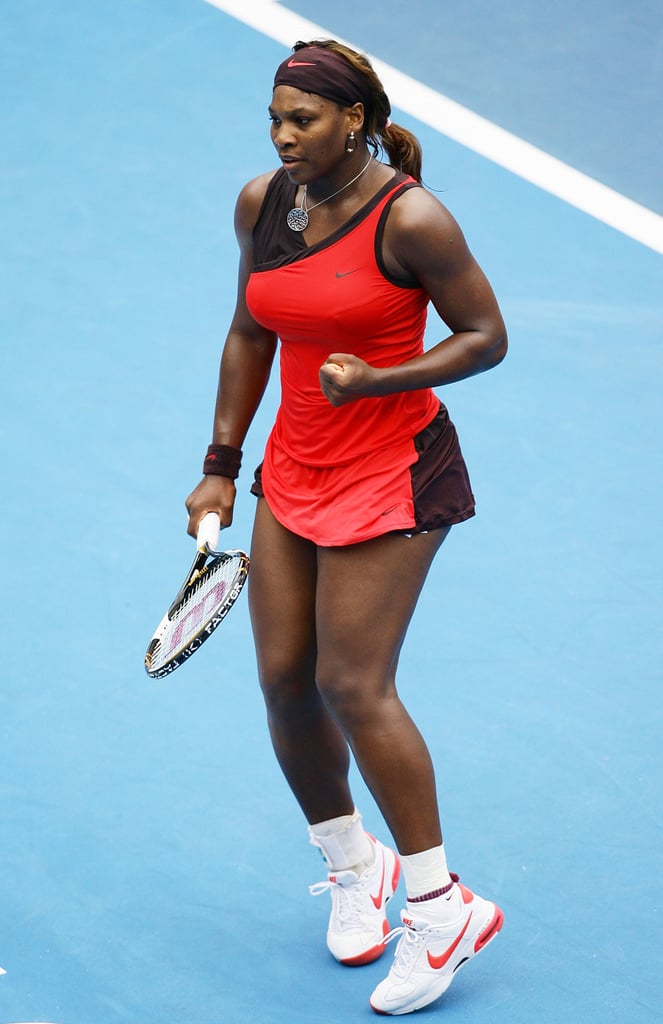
x: 362, y: 479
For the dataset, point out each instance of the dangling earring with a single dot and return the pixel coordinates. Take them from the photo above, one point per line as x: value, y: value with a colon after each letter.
x: 350, y: 139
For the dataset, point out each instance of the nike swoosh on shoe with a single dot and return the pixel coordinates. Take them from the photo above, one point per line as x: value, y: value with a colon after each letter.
x: 438, y: 962
x: 377, y: 900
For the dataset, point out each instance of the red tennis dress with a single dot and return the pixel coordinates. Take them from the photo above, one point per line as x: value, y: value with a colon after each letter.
x: 342, y: 475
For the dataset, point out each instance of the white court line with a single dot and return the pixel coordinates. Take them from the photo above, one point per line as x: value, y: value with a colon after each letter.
x: 469, y: 129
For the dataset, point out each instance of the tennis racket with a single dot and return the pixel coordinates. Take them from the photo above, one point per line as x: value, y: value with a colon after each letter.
x: 208, y: 593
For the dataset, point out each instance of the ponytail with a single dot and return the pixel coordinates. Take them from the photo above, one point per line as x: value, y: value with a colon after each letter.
x: 401, y: 146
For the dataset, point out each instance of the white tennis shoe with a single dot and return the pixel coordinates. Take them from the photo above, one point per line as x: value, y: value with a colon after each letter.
x: 428, y: 955
x: 358, y: 922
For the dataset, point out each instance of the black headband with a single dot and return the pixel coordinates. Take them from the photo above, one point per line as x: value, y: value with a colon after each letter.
x: 325, y: 73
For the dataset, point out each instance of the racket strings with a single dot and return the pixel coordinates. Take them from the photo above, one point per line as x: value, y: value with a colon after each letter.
x: 204, y: 600
x: 206, y: 579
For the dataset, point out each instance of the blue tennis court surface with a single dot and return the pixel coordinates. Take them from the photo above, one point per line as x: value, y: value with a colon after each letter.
x: 154, y: 866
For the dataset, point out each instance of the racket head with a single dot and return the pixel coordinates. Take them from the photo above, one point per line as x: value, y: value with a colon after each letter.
x: 201, y: 605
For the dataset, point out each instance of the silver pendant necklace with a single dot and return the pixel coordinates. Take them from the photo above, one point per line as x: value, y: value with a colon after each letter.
x: 297, y: 219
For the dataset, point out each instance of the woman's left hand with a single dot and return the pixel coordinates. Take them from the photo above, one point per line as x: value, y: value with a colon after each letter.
x: 345, y: 378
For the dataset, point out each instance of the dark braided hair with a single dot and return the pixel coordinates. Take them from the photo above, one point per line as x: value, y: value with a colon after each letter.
x: 400, y: 145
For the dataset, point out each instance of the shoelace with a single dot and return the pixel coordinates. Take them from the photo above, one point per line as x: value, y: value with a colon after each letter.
x: 406, y: 951
x: 350, y: 898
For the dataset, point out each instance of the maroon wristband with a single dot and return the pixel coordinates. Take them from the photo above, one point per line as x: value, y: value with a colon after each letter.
x: 222, y: 460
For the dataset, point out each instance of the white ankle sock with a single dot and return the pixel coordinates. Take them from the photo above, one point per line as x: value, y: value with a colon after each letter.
x: 430, y: 890
x: 425, y: 872
x: 344, y: 843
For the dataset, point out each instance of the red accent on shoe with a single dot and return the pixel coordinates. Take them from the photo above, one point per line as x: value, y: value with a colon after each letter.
x: 491, y: 931
x: 438, y: 962
x: 396, y: 875
x: 367, y: 957
x: 377, y: 899
x: 467, y: 895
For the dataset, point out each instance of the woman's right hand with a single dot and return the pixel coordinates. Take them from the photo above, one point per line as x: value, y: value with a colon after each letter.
x: 213, y: 494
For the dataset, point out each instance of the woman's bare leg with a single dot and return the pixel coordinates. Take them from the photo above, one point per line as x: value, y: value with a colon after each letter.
x: 329, y: 624
x: 308, y: 743
x: 366, y: 595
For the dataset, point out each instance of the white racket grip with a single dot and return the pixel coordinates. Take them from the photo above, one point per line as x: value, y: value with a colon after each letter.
x: 208, y: 532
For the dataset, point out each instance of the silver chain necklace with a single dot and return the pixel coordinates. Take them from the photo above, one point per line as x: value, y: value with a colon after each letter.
x: 297, y: 219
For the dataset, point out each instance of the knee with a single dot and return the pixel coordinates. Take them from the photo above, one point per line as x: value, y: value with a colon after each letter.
x: 287, y: 690
x: 352, y: 696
